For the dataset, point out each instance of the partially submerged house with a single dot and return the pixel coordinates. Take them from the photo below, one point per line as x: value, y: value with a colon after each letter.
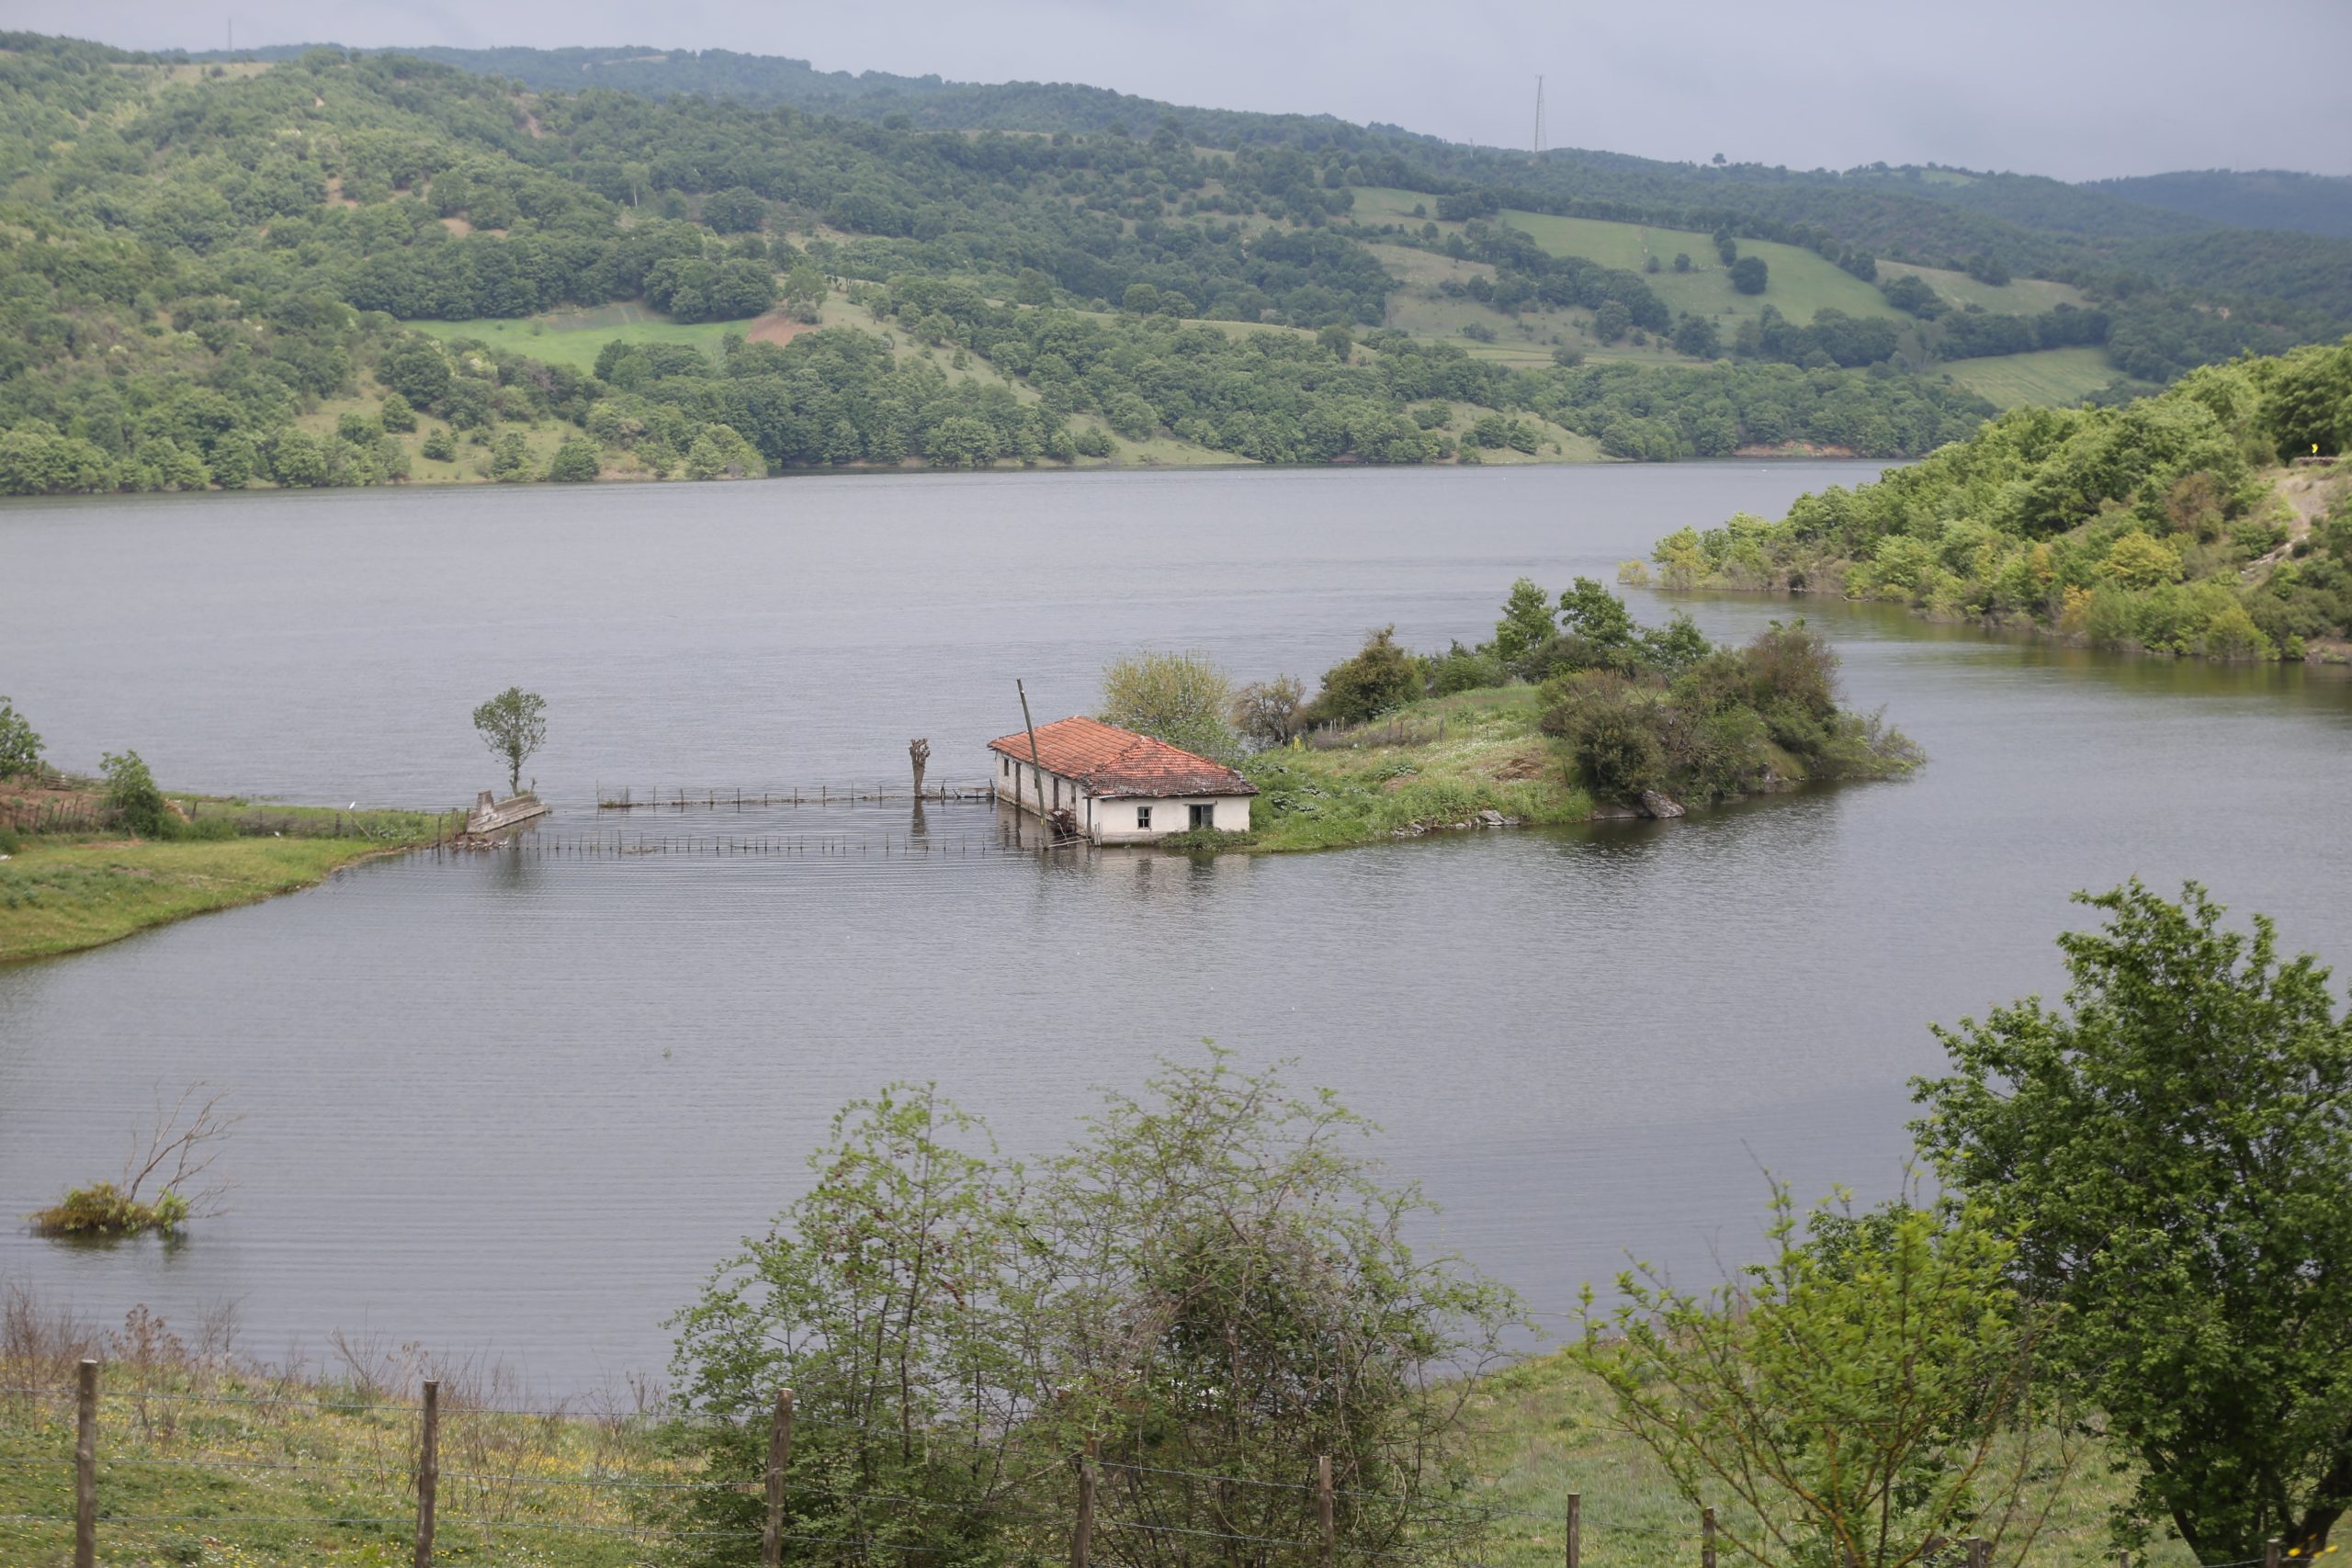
x: 1115, y: 787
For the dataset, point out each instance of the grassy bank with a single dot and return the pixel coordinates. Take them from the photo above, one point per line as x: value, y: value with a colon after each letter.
x: 204, y: 1459
x: 63, y: 891
x: 1434, y: 766
x: 1542, y: 1429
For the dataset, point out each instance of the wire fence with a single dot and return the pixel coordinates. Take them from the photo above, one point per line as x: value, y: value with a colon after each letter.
x: 137, y: 1470
x: 443, y: 1476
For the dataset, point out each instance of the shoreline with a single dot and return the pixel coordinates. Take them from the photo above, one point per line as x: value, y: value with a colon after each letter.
x: 70, y: 892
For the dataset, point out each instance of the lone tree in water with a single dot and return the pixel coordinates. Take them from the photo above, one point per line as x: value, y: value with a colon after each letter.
x: 513, y: 725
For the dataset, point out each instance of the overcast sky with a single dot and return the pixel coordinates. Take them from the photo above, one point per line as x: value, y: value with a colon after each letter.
x: 2075, y: 88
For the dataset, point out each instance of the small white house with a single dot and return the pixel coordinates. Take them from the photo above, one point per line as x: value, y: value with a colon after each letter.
x: 1115, y: 786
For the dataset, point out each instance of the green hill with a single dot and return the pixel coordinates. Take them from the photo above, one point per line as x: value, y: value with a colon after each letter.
x: 346, y: 269
x: 2213, y: 519
x: 343, y: 268
x: 2258, y: 199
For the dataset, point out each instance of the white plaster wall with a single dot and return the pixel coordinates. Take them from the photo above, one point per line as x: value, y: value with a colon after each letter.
x: 1114, y: 820
x: 1034, y: 786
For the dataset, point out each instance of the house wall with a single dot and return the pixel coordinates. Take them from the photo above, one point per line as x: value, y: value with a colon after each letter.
x: 1111, y: 821
x: 1030, y: 786
x: 1114, y: 820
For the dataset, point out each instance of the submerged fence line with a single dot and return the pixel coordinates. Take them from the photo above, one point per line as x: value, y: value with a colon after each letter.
x: 680, y: 797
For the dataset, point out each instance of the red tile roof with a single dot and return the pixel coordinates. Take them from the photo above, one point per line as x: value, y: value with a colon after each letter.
x: 1112, y: 762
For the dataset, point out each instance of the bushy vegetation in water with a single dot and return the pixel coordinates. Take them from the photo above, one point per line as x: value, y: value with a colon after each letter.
x: 2163, y: 524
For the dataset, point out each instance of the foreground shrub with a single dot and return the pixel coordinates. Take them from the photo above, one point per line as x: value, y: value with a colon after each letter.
x: 1213, y: 1280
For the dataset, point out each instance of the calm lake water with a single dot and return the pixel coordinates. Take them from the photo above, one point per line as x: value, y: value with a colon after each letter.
x: 521, y: 1104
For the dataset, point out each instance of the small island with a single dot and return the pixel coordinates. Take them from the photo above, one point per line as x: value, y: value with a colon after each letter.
x: 1572, y: 712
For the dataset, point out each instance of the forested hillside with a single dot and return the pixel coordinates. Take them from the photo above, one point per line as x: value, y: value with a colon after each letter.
x: 2114, y: 231
x: 216, y: 272
x: 2253, y: 199
x: 2207, y: 520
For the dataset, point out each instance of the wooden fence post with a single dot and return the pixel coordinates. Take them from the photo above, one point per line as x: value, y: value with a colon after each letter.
x: 1978, y: 1552
x: 2269, y: 1548
x: 1706, y: 1537
x: 1575, y: 1529
x: 1323, y: 1510
x: 1081, y: 1535
x: 428, y: 1472
x: 779, y: 1455
x: 85, y: 1464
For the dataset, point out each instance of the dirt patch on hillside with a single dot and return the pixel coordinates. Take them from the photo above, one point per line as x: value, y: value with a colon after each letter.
x: 1531, y: 761
x: 776, y: 327
x: 1794, y: 449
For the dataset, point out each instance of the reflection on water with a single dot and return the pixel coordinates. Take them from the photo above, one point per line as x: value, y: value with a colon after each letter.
x: 523, y: 1100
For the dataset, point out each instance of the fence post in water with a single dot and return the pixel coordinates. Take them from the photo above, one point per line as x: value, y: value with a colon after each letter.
x: 1575, y: 1529
x: 779, y: 1455
x: 1706, y: 1537
x: 85, y: 1464
x: 428, y: 1472
x: 1081, y: 1535
x: 1323, y: 1511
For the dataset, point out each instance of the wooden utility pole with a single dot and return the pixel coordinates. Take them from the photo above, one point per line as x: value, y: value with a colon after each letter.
x: 779, y: 1456
x: 1575, y: 1529
x: 1081, y: 1535
x: 919, y: 751
x: 85, y: 1464
x: 1323, y: 1511
x: 1035, y: 763
x: 428, y: 1472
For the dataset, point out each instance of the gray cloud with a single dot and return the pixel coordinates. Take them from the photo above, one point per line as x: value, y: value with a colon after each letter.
x: 2073, y: 88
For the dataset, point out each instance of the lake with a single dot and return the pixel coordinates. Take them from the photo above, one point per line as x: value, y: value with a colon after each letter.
x: 521, y: 1104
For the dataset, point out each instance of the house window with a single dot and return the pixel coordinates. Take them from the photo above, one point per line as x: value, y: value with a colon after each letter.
x: 1204, y: 816
x: 1008, y: 766
x: 1143, y: 816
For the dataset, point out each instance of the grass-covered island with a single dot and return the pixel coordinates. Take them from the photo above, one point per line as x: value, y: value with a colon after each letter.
x: 2213, y: 519
x: 85, y: 861
x: 1571, y: 711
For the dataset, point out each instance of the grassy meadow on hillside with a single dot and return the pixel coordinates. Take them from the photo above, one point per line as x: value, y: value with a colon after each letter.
x: 2054, y: 376
x: 576, y: 337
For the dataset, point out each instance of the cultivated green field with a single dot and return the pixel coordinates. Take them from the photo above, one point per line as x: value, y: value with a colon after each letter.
x: 2054, y: 376
x: 574, y: 337
x: 1802, y: 283
x: 2019, y: 297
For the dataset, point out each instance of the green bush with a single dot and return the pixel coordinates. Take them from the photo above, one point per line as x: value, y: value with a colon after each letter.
x: 440, y: 445
x: 1207, y: 839
x: 20, y: 749
x: 133, y: 800
x: 577, y: 461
